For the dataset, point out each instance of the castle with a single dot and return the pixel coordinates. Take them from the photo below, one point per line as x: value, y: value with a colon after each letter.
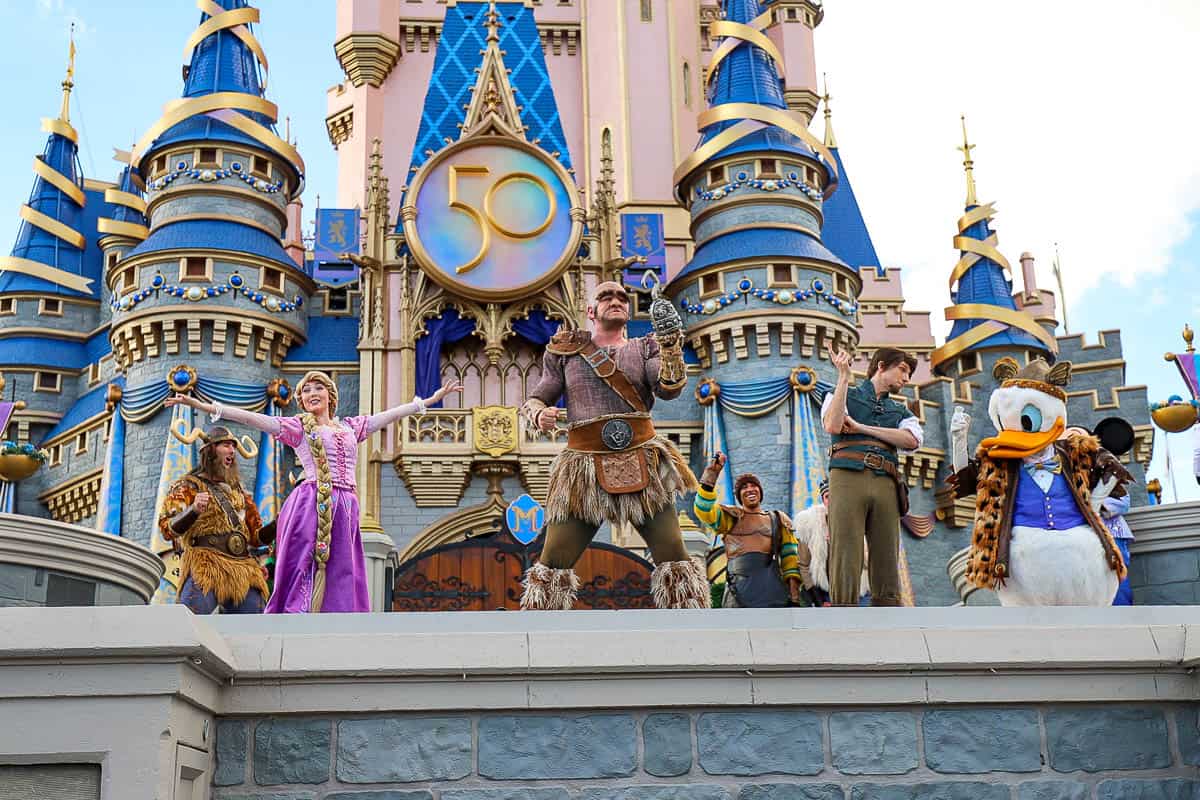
x: 558, y: 143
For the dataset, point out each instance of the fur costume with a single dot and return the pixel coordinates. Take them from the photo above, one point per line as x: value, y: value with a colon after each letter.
x: 680, y: 584
x: 229, y: 578
x: 548, y: 589
x: 812, y: 529
x: 574, y: 490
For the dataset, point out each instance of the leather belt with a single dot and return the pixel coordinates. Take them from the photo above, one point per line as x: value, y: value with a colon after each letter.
x: 871, y: 461
x: 611, y: 434
x: 231, y: 544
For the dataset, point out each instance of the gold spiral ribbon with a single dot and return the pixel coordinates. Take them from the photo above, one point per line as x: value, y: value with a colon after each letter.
x: 224, y: 106
x: 751, y: 117
x: 59, y: 181
x: 737, y: 33
x: 996, y: 318
x: 133, y: 230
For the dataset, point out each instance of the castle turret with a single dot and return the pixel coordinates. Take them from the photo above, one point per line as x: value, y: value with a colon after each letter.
x: 209, y: 301
x: 762, y: 292
x: 984, y: 316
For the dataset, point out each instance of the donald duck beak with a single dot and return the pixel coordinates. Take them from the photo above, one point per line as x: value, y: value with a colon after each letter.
x: 1019, y: 444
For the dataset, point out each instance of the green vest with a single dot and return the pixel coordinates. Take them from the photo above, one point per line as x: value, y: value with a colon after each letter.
x: 882, y: 412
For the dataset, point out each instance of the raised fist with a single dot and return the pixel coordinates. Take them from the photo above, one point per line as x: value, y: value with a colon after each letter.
x: 547, y: 418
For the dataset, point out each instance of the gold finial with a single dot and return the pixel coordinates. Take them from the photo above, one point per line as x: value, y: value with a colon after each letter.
x: 1188, y: 334
x: 968, y: 165
x: 830, y: 139
x: 69, y: 82
x: 492, y: 22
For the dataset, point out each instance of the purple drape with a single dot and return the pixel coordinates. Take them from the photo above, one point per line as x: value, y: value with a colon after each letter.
x: 439, y: 331
x: 538, y: 328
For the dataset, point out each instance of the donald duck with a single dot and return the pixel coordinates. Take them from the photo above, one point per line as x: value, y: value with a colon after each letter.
x: 1038, y: 536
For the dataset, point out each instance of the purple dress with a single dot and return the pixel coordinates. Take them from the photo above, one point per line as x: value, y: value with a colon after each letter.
x: 296, y: 530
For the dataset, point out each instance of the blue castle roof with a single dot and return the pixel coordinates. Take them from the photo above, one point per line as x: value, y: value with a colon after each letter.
x: 844, y: 230
x: 35, y: 244
x: 126, y: 183
x: 764, y: 242
x: 329, y: 339
x: 213, y: 234
x: 462, y: 40
x: 89, y: 405
x: 985, y: 283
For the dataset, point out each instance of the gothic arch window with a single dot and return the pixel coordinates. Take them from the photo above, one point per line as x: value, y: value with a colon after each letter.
x: 505, y: 383
x: 687, y: 84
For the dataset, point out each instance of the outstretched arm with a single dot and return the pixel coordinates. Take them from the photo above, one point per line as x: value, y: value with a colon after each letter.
x: 217, y: 411
x: 383, y: 419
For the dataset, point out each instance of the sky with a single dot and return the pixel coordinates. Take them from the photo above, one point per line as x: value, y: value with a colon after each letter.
x: 1081, y: 112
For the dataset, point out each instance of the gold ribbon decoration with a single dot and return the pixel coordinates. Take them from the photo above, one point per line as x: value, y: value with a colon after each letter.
x: 52, y: 226
x: 37, y: 269
x: 997, y: 319
x: 59, y: 181
x: 736, y: 33
x: 225, y: 106
x: 133, y: 230
x: 61, y: 127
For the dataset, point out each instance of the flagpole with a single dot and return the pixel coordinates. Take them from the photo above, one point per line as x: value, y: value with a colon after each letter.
x: 1062, y: 295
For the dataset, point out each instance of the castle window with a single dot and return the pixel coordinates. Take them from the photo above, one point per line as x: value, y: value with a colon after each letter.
x: 208, y: 157
x: 716, y: 176
x: 782, y: 275
x: 272, y: 280
x: 968, y: 363
x: 112, y: 260
x: 647, y: 11
x: 195, y: 269
x: 50, y: 307
x: 768, y: 167
x: 8, y: 305
x: 127, y: 281
x: 337, y: 301
x: 841, y: 285
x: 55, y: 455
x: 81, y: 443
x: 687, y: 85
x: 710, y: 284
x: 260, y: 166
x: 791, y: 14
x: 47, y: 382
x: 160, y: 165
x: 93, y: 373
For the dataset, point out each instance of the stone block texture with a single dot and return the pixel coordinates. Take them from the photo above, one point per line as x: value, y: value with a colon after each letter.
x: 1019, y: 752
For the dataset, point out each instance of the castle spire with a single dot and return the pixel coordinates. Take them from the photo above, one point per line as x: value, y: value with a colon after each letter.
x: 830, y: 138
x: 48, y: 256
x: 984, y: 315
x: 746, y: 105
x: 968, y: 165
x: 69, y: 82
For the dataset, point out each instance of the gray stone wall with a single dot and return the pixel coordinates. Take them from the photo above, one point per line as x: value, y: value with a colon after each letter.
x: 1167, y: 578
x: 1027, y: 752
x: 22, y: 585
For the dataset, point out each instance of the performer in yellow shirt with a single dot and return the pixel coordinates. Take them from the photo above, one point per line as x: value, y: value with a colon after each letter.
x: 761, y: 550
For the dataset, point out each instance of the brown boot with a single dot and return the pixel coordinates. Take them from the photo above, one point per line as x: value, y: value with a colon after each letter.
x: 680, y: 584
x: 548, y: 589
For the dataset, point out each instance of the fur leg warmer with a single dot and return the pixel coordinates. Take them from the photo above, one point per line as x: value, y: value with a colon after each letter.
x: 680, y: 584
x: 548, y: 589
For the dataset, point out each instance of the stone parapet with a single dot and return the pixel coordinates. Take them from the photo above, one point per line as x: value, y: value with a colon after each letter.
x: 727, y: 705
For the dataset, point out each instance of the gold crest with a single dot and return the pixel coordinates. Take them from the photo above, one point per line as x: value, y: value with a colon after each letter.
x: 495, y: 429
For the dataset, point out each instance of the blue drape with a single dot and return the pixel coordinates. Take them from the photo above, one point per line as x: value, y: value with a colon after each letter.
x: 112, y: 486
x: 268, y: 483
x: 537, y: 328
x: 439, y: 331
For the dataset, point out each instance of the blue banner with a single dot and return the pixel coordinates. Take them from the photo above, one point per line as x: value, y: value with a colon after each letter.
x: 337, y: 236
x: 642, y: 235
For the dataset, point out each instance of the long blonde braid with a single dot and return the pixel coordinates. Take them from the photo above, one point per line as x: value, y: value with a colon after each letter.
x: 321, y: 547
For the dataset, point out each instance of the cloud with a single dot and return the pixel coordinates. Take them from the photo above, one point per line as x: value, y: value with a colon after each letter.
x: 1083, y: 138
